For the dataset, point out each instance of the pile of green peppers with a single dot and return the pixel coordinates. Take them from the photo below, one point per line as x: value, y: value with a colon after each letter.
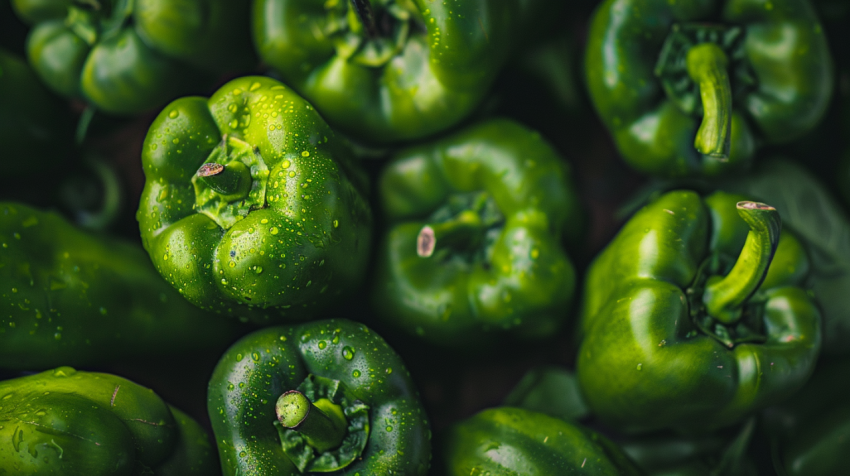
x: 412, y: 238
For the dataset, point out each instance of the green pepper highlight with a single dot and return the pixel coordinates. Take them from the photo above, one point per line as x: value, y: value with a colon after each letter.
x: 677, y: 333
x: 251, y: 206
x: 77, y: 298
x: 337, y: 370
x: 389, y: 71
x: 66, y: 423
x: 478, y: 224
x: 694, y: 87
x: 513, y: 442
x: 125, y: 57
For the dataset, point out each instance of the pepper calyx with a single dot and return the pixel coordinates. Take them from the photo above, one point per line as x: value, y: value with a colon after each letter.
x: 312, y: 450
x: 231, y: 182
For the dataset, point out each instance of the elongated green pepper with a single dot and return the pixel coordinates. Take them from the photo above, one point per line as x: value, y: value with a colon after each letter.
x: 391, y: 70
x: 694, y: 87
x: 679, y: 333
x: 249, y: 208
x: 67, y: 423
x: 130, y: 56
x: 326, y: 396
x: 509, y: 441
x: 75, y: 298
x: 476, y: 244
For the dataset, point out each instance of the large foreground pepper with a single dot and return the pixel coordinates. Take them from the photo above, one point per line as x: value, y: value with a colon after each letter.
x: 476, y: 244
x: 129, y: 56
x: 70, y: 297
x: 327, y: 396
x: 67, y: 423
x: 678, y: 334
x: 248, y: 208
x: 391, y: 70
x: 515, y: 442
x: 695, y: 86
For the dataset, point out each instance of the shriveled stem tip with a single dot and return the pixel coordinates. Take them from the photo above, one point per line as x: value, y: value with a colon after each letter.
x: 426, y: 242
x: 754, y: 206
x: 210, y: 169
x: 292, y: 409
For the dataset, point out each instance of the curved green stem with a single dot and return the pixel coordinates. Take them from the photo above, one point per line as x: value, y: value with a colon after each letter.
x: 724, y: 296
x: 364, y: 13
x: 323, y: 424
x: 463, y: 231
x: 707, y: 65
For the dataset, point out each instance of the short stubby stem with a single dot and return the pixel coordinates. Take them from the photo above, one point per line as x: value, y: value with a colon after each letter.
x: 322, y: 423
x: 464, y: 231
x: 724, y: 297
x: 232, y: 179
x: 707, y: 66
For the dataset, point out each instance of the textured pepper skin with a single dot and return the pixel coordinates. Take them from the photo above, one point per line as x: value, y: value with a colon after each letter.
x: 126, y: 57
x: 34, y: 122
x: 435, y: 77
x: 77, y: 298
x: 645, y: 364
x: 789, y: 91
x: 516, y: 276
x: 508, y: 441
x: 260, y: 367
x: 66, y: 423
x: 305, y: 239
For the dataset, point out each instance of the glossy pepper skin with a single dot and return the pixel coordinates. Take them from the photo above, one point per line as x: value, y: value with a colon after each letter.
x: 130, y: 56
x: 259, y: 368
x: 508, y: 441
x: 673, y: 339
x: 499, y: 203
x: 658, y: 70
x: 77, y: 298
x: 34, y: 121
x: 423, y: 68
x: 67, y: 423
x: 283, y: 230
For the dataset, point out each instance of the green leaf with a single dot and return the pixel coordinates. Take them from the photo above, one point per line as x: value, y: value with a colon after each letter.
x: 550, y: 390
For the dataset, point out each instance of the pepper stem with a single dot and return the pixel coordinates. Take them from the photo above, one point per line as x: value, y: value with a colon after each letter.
x: 724, y: 296
x: 364, y: 12
x: 231, y: 179
x: 707, y: 65
x: 323, y: 424
x: 463, y: 231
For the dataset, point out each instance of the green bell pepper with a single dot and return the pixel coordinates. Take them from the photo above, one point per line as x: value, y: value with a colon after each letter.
x: 815, y: 216
x: 678, y: 334
x: 391, y: 70
x: 67, y: 423
x: 76, y: 298
x: 695, y: 86
x: 130, y: 56
x: 34, y: 122
x: 509, y: 441
x: 318, y: 397
x: 475, y: 247
x: 248, y: 208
